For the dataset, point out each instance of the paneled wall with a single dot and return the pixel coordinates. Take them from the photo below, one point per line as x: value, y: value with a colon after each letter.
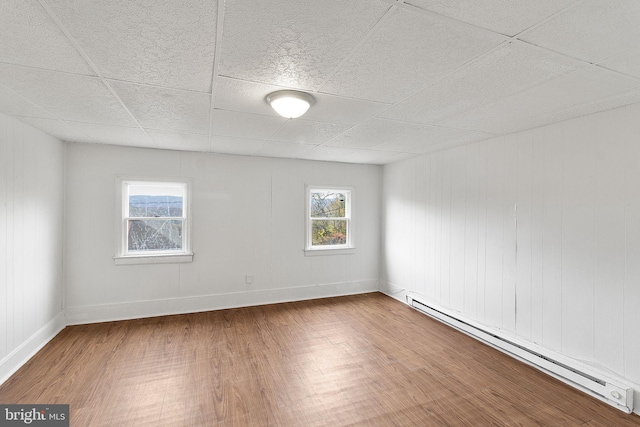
x: 535, y: 233
x: 248, y: 218
x: 31, y: 221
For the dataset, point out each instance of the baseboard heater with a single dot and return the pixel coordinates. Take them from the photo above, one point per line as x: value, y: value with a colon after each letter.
x: 608, y: 390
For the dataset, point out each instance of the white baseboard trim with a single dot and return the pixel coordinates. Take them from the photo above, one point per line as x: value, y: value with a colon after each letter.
x: 21, y: 355
x: 393, y: 291
x: 182, y: 305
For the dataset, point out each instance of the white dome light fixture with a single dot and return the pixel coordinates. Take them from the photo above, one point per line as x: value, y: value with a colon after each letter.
x: 290, y: 103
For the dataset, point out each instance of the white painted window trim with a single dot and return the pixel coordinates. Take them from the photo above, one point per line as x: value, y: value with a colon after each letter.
x: 349, y: 247
x: 170, y: 257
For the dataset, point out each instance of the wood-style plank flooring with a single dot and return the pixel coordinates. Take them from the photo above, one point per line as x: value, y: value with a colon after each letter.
x: 356, y: 360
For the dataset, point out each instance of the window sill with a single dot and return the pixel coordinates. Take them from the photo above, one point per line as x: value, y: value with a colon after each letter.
x: 153, y: 259
x: 329, y: 251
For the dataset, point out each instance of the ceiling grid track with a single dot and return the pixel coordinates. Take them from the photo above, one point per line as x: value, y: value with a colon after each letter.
x: 91, y: 64
x: 216, y: 66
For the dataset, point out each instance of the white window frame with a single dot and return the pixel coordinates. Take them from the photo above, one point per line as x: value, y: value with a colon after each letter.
x: 348, y: 247
x: 122, y: 256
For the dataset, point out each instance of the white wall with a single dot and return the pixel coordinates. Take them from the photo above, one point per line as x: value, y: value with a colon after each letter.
x: 562, y: 271
x: 248, y: 218
x: 31, y: 220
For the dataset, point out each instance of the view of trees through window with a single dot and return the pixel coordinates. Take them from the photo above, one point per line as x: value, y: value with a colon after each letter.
x: 328, y: 218
x: 155, y: 223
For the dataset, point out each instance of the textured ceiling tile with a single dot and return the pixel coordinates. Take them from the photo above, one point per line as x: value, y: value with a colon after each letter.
x: 15, y: 105
x: 503, y: 16
x: 593, y: 31
x: 374, y: 132
x: 244, y: 125
x: 241, y: 95
x: 179, y: 140
x: 28, y: 36
x: 426, y: 137
x: 431, y: 148
x: 307, y: 132
x: 115, y: 135
x: 584, y: 85
x: 391, y: 158
x: 453, y: 136
x: 402, y: 81
x: 57, y: 128
x: 349, y: 111
x: 282, y: 149
x: 398, y: 146
x: 508, y: 69
x: 627, y: 63
x: 232, y: 145
x: 590, y: 107
x: 407, y: 52
x: 369, y: 156
x: 166, y: 109
x: 519, y: 112
x: 329, y: 154
x: 164, y: 42
x: 292, y: 43
x: 69, y: 97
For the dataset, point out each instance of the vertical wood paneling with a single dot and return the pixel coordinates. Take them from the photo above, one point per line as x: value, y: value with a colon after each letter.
x: 495, y: 232
x: 552, y: 239
x: 392, y: 258
x: 411, y: 194
x: 31, y: 194
x: 30, y: 241
x: 537, y: 236
x: 458, y: 228
x: 509, y: 235
x: 482, y: 230
x: 20, y: 233
x: 445, y: 241
x: 10, y: 302
x: 420, y: 232
x: 609, y: 237
x: 523, y: 291
x: 433, y: 224
x: 437, y: 174
x: 407, y: 205
x: 562, y: 271
x: 472, y: 166
x: 248, y: 218
x: 4, y: 222
x: 631, y: 290
x: 577, y: 240
x: 429, y: 228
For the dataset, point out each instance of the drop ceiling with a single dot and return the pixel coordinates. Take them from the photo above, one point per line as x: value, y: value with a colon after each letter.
x: 392, y: 79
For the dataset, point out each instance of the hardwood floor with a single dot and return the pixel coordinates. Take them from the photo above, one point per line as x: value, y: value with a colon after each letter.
x: 356, y: 360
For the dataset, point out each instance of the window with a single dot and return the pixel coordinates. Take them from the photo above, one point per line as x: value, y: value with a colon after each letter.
x: 329, y: 227
x: 153, y: 221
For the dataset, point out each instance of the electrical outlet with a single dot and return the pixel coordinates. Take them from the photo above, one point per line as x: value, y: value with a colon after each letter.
x: 248, y: 279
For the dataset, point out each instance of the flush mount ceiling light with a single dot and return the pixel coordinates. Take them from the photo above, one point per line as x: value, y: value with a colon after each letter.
x: 290, y: 103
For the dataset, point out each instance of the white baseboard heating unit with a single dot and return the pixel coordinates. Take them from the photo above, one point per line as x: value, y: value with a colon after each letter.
x: 609, y: 390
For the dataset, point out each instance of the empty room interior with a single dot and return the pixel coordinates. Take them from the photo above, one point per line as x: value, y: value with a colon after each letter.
x: 444, y: 229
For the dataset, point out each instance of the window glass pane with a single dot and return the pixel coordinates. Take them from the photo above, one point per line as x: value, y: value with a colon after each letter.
x: 328, y: 232
x: 154, y: 234
x: 328, y: 205
x: 155, y: 200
